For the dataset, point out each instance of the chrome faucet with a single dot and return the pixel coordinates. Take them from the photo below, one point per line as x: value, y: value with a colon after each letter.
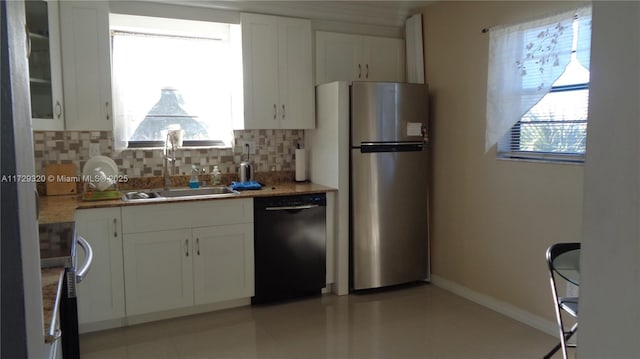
x: 169, y: 153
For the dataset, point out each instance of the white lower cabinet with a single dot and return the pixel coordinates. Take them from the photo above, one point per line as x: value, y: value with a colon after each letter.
x: 223, y: 263
x: 158, y: 270
x: 101, y: 294
x: 202, y: 254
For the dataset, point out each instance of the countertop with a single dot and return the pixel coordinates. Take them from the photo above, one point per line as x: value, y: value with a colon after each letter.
x: 61, y: 208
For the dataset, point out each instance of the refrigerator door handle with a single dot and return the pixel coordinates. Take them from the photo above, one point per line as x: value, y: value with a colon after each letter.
x: 372, y: 147
x: 402, y: 143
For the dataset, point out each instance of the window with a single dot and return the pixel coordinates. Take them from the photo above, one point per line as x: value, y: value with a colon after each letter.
x: 174, y: 74
x: 542, y: 112
x: 556, y: 127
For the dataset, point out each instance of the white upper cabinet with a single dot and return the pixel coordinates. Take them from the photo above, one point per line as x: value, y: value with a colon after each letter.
x: 86, y: 64
x: 345, y: 57
x: 295, y: 74
x: 260, y: 71
x: 384, y: 59
x: 45, y: 69
x: 278, y: 72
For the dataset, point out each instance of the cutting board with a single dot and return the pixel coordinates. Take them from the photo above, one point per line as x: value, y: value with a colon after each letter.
x: 62, y: 179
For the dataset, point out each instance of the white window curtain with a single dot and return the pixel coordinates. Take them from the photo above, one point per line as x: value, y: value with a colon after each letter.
x: 524, y: 62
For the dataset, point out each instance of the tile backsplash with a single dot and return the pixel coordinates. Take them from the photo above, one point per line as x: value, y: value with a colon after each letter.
x: 274, y: 152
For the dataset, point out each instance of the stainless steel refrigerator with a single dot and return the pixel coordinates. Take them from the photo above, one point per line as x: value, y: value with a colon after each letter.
x: 389, y: 184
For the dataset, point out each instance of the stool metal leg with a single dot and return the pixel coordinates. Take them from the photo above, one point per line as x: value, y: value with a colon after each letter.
x: 563, y: 344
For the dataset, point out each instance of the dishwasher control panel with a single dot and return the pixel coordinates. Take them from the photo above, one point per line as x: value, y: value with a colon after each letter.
x: 319, y: 199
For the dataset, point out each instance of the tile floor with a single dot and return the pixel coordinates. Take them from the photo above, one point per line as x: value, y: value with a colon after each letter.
x: 417, y: 322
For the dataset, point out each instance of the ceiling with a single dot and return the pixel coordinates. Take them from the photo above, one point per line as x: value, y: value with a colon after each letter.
x: 386, y: 13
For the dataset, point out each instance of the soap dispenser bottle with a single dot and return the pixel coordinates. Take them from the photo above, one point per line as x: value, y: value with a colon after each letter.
x: 216, y: 177
x: 193, y: 182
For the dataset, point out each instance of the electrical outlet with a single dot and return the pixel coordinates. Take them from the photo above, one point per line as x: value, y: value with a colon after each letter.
x: 94, y: 149
x: 252, y: 147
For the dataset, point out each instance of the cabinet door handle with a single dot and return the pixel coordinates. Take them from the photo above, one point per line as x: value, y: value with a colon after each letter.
x: 359, y: 71
x: 58, y: 109
x: 106, y: 104
x: 366, y: 75
x: 283, y: 111
x: 186, y: 247
x: 198, y: 246
x: 275, y: 111
x: 115, y: 227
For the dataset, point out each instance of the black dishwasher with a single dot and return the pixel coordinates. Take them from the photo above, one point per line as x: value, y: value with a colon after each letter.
x: 290, y: 246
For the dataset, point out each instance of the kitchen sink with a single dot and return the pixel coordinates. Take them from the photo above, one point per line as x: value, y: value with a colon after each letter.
x: 158, y: 195
x: 140, y: 196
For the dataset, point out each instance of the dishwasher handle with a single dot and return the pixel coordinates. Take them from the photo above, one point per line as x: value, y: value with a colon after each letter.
x: 88, y: 254
x: 286, y: 208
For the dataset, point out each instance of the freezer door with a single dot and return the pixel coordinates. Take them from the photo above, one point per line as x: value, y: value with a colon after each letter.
x: 389, y: 209
x: 388, y: 112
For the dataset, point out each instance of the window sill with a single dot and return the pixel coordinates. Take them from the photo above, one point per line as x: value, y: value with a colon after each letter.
x: 553, y: 158
x: 226, y: 147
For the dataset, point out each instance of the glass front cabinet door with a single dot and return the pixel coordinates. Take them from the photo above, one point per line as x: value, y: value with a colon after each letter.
x: 45, y: 69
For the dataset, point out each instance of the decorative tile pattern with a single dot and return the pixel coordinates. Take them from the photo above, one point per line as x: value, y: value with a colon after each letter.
x: 274, y: 152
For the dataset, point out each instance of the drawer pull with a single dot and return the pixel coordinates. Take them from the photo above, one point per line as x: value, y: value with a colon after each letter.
x: 186, y: 247
x: 287, y: 208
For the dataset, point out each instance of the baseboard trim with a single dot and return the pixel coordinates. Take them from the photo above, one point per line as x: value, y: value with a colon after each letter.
x: 162, y: 315
x: 492, y: 303
x: 182, y: 312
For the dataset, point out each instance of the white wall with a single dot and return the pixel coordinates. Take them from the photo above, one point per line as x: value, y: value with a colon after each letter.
x: 610, y: 267
x: 492, y: 219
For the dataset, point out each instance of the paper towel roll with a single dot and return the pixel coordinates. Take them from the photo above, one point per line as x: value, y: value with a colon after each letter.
x: 301, y: 165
